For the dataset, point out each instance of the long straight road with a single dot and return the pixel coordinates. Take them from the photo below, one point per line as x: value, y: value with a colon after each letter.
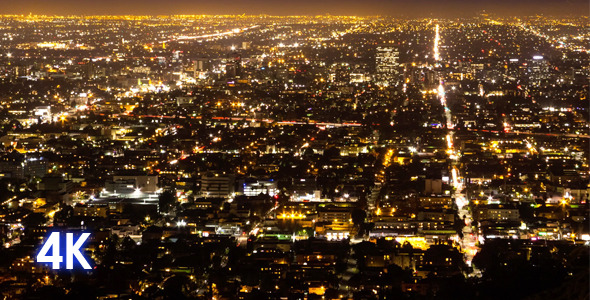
x: 468, y: 242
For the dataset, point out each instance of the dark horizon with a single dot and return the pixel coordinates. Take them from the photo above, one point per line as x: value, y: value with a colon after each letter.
x: 394, y: 8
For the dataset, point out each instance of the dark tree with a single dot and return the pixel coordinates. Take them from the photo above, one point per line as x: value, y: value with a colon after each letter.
x: 166, y: 201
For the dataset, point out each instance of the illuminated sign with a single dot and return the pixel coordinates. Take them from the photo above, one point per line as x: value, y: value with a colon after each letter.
x: 72, y: 251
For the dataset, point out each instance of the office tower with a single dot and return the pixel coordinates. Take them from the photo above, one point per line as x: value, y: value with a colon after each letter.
x: 386, y: 60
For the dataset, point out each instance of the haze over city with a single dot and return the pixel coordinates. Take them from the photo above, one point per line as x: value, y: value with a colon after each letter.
x: 397, y: 8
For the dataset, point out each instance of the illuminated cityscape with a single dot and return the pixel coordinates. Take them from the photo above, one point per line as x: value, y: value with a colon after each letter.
x: 253, y: 156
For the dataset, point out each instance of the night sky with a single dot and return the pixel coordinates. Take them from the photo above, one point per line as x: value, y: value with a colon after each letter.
x: 397, y: 8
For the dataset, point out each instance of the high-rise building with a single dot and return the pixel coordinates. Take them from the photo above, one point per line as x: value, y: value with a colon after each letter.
x: 90, y: 70
x: 538, y: 70
x: 387, y: 64
x: 387, y: 60
x: 201, y: 64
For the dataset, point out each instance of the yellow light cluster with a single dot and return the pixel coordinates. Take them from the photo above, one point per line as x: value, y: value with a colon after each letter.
x: 291, y: 216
